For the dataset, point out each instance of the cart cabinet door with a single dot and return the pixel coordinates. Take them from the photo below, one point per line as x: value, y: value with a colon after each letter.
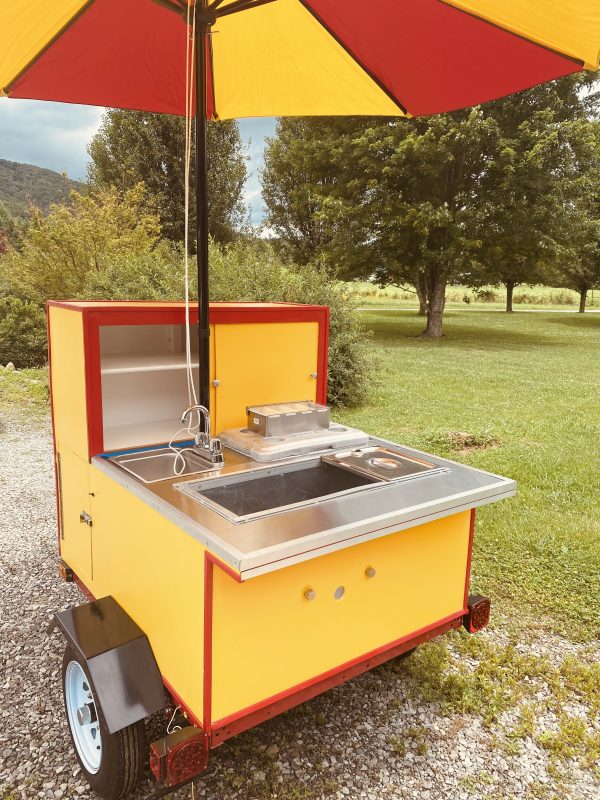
x: 258, y: 363
x: 279, y: 632
x: 73, y: 479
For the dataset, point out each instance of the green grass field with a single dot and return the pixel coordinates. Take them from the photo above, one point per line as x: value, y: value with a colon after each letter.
x: 525, y: 388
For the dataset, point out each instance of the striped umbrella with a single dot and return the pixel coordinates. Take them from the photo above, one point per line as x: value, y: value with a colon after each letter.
x: 289, y: 57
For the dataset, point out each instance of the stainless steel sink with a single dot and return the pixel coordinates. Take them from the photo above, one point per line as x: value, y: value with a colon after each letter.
x: 245, y: 496
x: 151, y: 466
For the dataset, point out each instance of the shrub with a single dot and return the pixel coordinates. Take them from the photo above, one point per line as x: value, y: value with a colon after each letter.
x: 253, y: 272
x: 241, y: 271
x: 68, y: 245
x: 250, y: 271
x: 22, y: 333
x: 487, y: 295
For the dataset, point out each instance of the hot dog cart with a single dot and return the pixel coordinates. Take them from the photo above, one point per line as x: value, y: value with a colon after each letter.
x: 233, y: 576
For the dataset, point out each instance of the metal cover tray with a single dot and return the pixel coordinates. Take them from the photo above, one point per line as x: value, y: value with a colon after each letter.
x: 275, y: 448
x: 383, y: 463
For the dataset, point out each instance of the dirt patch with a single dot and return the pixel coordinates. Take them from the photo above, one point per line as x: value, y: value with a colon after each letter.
x: 464, y: 442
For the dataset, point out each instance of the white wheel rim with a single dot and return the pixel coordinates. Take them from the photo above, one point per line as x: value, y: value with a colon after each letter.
x: 85, y: 726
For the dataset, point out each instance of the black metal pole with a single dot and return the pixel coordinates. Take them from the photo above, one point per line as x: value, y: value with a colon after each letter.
x: 202, y: 28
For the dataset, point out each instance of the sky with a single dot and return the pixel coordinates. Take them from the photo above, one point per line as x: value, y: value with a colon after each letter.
x: 55, y: 135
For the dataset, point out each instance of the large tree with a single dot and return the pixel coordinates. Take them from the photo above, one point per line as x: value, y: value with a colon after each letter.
x: 578, y: 265
x: 475, y: 195
x: 528, y: 190
x: 399, y: 203
x: 138, y: 146
x: 301, y: 168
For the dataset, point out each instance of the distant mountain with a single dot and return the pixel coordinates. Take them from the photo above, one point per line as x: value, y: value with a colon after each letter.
x: 22, y: 184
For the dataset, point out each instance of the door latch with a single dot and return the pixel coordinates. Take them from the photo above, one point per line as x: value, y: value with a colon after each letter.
x: 86, y: 518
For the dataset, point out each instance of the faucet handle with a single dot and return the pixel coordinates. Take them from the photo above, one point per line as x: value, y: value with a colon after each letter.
x: 215, y: 446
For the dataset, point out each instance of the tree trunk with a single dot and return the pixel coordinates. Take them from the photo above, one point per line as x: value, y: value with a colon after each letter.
x: 510, y: 287
x: 435, y: 306
x: 582, y: 299
x: 421, y: 287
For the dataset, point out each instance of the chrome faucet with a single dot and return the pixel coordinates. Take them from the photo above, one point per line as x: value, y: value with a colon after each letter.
x: 204, y: 444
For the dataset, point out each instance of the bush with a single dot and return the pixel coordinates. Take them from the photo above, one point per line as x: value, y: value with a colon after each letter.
x: 241, y: 271
x: 249, y: 271
x: 22, y: 333
x: 487, y: 295
x: 253, y: 272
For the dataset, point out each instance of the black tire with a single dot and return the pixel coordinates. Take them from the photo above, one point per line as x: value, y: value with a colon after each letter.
x: 123, y: 753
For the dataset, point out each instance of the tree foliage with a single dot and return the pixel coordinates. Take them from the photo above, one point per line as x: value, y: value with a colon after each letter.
x: 22, y: 333
x: 529, y: 189
x: 404, y: 201
x: 138, y: 146
x: 477, y: 195
x: 105, y: 247
x: 578, y: 265
x: 11, y: 230
x: 301, y: 168
x: 72, y: 242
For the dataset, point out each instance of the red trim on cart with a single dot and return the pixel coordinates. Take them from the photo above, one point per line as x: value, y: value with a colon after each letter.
x: 208, y: 641
x: 93, y: 385
x: 210, y: 562
x: 83, y: 588
x: 227, y: 727
x: 469, y: 559
x: 122, y: 313
x: 56, y: 484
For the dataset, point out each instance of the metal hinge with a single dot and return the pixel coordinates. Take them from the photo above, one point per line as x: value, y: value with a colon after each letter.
x: 87, y: 518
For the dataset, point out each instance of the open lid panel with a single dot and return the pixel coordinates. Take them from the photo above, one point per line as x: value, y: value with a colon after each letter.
x: 144, y: 383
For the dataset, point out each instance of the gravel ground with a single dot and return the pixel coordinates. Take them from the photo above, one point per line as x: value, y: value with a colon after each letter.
x: 375, y: 737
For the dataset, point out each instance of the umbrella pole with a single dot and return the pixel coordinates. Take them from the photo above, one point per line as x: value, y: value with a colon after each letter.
x: 202, y: 27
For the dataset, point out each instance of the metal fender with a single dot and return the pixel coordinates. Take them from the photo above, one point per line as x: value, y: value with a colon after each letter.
x: 126, y: 680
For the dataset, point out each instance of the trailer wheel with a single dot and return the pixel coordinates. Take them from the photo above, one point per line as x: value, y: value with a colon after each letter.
x: 111, y: 762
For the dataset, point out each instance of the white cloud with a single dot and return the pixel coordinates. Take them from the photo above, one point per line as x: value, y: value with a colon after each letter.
x: 253, y: 133
x: 52, y: 135
x: 56, y: 135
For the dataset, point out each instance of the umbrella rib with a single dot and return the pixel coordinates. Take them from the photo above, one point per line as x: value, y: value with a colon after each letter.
x: 238, y: 5
x: 355, y: 58
x: 7, y: 89
x: 171, y: 5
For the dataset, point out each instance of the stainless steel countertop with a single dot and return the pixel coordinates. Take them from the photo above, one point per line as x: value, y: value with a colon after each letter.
x: 273, y: 542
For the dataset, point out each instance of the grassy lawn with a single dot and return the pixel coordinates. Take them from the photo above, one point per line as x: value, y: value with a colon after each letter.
x: 526, y: 390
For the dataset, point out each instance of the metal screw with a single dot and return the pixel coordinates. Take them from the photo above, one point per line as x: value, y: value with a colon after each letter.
x: 339, y: 593
x: 370, y: 572
x: 216, y: 382
x: 314, y: 375
x: 310, y: 594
